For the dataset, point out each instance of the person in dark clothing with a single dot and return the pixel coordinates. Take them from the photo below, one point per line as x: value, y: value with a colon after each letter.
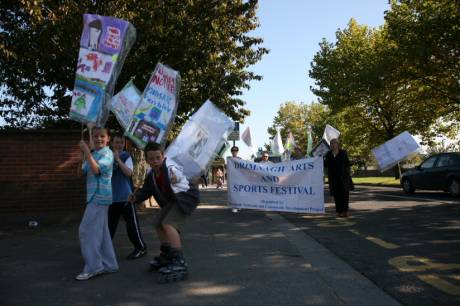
x: 338, y: 171
x: 122, y: 187
x: 204, y: 179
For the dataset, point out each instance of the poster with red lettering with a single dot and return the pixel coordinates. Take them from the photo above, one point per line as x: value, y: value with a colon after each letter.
x: 155, y: 113
x: 104, y: 45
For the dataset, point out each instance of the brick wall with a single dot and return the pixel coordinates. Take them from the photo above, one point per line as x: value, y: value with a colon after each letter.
x: 38, y: 171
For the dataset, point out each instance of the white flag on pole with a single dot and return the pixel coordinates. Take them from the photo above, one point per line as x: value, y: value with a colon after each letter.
x: 330, y: 133
x: 290, y: 142
x: 277, y: 144
x: 246, y: 137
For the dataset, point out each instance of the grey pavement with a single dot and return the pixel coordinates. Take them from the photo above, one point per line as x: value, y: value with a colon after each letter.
x: 247, y: 258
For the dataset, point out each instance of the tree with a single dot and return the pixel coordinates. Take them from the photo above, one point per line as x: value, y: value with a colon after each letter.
x: 296, y: 117
x: 426, y: 34
x: 206, y: 40
x: 356, y: 77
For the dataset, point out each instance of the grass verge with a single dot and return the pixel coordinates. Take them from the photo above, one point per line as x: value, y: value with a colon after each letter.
x: 377, y: 180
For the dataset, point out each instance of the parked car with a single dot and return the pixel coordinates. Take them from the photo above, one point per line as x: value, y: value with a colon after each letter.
x: 437, y: 172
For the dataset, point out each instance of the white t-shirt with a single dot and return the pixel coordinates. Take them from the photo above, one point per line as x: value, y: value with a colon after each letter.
x: 129, y: 163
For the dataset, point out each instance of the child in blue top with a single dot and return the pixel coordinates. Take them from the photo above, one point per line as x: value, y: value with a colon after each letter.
x: 122, y: 187
x: 95, y: 242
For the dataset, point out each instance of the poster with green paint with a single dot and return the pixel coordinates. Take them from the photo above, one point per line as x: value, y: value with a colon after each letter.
x: 154, y: 116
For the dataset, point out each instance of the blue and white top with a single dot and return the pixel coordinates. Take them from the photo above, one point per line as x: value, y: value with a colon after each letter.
x: 99, y: 187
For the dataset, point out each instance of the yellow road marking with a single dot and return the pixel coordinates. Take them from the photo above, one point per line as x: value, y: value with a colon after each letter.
x: 441, y: 284
x: 378, y: 241
x: 412, y: 263
x: 333, y: 223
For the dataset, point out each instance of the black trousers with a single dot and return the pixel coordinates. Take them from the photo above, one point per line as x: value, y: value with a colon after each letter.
x: 341, y: 199
x: 204, y: 180
x: 128, y: 211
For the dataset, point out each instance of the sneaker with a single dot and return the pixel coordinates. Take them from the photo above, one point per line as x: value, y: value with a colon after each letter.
x: 85, y: 276
x: 137, y: 254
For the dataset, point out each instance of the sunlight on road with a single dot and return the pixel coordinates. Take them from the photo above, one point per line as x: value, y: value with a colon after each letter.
x: 207, y: 289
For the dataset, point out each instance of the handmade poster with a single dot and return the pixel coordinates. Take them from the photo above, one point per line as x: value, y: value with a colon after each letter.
x: 104, y: 34
x: 95, y: 66
x: 85, y: 99
x: 104, y: 45
x: 321, y: 149
x: 200, y: 139
x: 154, y: 115
x: 395, y: 150
x: 294, y: 186
x: 124, y: 103
x: 330, y: 133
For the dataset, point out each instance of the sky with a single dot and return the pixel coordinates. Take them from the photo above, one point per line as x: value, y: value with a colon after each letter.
x: 292, y: 31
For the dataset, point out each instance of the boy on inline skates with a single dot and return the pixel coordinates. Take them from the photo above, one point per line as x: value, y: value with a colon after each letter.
x: 178, y: 199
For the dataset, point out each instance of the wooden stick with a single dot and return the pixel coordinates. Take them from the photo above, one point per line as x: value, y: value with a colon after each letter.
x: 90, y: 132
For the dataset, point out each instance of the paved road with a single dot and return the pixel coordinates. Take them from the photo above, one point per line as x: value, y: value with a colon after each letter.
x: 408, y: 245
x: 249, y: 258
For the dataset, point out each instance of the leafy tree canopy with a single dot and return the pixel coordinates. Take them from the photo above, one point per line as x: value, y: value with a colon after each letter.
x: 296, y: 118
x: 358, y: 75
x: 206, y: 40
x: 426, y: 34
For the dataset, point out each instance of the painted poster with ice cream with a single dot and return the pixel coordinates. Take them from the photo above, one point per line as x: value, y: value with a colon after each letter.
x: 104, y: 45
x: 155, y: 113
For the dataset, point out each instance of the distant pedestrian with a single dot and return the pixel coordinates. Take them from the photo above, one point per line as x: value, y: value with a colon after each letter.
x: 220, y: 178
x: 204, y: 179
x: 122, y: 187
x: 95, y: 242
x: 338, y: 172
x: 265, y: 158
x: 234, y: 150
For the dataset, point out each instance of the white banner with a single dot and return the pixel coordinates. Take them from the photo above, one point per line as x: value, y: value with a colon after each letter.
x: 294, y: 186
x: 395, y: 150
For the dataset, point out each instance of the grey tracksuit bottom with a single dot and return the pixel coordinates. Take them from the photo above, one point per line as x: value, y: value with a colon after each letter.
x: 95, y: 242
